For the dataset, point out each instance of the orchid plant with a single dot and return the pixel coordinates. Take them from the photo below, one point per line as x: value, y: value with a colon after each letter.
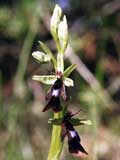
x: 62, y: 121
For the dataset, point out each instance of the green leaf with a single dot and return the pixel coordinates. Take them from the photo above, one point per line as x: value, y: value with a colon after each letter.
x: 45, y: 79
x: 69, y: 70
x: 48, y: 51
x: 68, y: 82
x: 41, y: 57
x: 60, y: 62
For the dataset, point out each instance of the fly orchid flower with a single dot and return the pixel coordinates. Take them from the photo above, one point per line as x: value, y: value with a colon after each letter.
x: 54, y: 94
x: 74, y: 140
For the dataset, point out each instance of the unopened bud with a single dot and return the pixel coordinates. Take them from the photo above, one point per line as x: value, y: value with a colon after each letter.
x: 63, y: 33
x: 55, y: 19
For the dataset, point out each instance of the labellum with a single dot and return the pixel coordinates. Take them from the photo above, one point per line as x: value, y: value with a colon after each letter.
x: 53, y: 96
x: 74, y: 144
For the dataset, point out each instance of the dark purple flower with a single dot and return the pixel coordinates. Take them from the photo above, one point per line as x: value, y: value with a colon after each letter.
x: 74, y: 144
x: 53, y: 97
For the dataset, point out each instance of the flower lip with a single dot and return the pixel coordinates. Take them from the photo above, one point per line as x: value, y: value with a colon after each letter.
x: 72, y: 133
x: 54, y: 104
x: 53, y: 97
x: 55, y: 92
x: 58, y: 84
x: 74, y: 144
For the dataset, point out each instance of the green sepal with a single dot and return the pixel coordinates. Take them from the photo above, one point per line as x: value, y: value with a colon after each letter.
x: 48, y: 51
x: 68, y: 82
x: 45, y: 79
x: 73, y: 121
x: 41, y: 57
x: 69, y: 70
x: 77, y: 121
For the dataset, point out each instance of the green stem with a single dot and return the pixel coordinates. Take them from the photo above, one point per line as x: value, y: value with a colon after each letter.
x: 56, y: 143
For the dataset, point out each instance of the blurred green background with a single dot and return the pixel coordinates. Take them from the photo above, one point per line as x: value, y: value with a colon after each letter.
x: 94, y: 36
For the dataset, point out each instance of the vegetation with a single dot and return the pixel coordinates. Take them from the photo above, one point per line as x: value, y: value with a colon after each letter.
x: 93, y: 47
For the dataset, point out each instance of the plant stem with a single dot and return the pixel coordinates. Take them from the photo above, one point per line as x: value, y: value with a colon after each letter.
x: 56, y: 143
